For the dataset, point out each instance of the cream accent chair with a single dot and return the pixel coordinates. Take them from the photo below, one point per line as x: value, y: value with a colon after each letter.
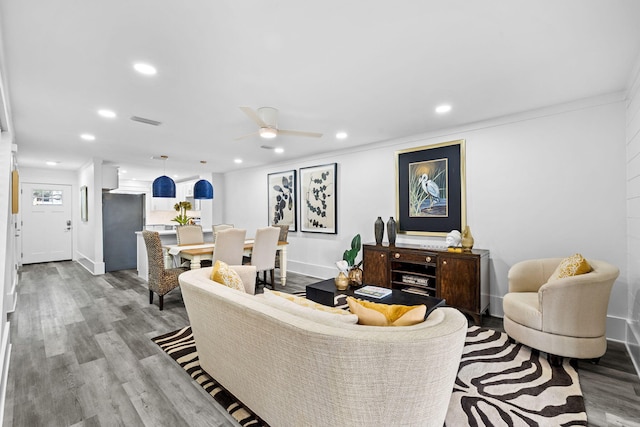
x: 229, y: 246
x: 263, y: 255
x: 563, y: 317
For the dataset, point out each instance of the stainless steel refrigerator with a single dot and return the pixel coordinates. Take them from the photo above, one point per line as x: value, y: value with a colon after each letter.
x: 122, y: 216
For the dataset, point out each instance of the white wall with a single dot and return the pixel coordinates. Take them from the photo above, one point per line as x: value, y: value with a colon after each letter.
x: 633, y: 215
x: 544, y: 183
x: 8, y: 265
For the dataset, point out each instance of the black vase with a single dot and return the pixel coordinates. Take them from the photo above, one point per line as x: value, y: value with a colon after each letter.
x: 378, y: 230
x: 391, y: 231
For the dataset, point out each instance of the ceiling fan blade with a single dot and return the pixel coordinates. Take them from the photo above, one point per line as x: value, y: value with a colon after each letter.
x: 246, y: 136
x: 299, y: 133
x: 253, y: 116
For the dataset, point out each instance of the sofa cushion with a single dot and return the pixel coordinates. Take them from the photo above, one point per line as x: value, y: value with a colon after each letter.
x: 571, y: 266
x: 306, y: 308
x: 376, y: 314
x: 226, y: 275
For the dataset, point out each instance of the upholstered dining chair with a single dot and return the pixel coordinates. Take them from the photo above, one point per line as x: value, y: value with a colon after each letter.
x: 220, y: 227
x: 564, y: 317
x: 161, y: 280
x: 229, y: 246
x: 191, y: 234
x: 263, y: 255
x: 284, y: 235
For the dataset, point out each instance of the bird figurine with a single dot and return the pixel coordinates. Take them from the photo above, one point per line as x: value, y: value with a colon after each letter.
x: 431, y: 189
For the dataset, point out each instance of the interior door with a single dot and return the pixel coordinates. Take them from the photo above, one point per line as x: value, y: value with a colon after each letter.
x: 46, y: 223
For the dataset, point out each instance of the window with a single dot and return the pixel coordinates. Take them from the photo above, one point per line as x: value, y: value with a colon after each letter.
x: 46, y: 197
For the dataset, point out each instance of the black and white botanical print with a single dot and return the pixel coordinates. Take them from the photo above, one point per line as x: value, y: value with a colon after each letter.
x: 318, y: 197
x: 282, y: 199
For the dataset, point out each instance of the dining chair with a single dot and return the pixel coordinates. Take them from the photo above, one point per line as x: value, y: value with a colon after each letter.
x: 229, y: 246
x: 284, y: 234
x: 191, y: 234
x: 263, y: 255
x: 220, y: 227
x: 161, y: 280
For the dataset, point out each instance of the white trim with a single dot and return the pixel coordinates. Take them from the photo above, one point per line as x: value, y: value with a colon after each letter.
x: 633, y: 346
x: 93, y: 267
x: 5, y: 353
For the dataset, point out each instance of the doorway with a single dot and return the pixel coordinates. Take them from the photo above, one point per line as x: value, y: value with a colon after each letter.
x: 46, y: 223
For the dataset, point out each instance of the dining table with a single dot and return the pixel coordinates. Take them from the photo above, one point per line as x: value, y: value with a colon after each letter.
x: 197, y: 253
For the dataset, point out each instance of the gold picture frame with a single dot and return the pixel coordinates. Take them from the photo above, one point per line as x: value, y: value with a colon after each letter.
x: 431, y: 189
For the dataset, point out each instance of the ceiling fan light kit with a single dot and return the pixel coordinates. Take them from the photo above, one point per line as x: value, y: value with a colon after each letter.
x: 267, y: 120
x: 268, y: 133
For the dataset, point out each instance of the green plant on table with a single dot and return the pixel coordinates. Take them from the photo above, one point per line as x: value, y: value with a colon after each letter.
x: 182, y: 208
x: 351, y: 254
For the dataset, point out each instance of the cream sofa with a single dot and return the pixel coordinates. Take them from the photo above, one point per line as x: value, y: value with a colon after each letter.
x: 563, y: 317
x: 293, y: 371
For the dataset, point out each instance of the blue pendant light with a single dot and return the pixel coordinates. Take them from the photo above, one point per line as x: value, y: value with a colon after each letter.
x: 203, y: 190
x: 163, y: 186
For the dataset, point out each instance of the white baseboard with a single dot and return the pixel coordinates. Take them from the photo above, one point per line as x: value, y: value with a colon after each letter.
x: 93, y: 267
x: 5, y: 356
x: 313, y: 270
x: 633, y: 345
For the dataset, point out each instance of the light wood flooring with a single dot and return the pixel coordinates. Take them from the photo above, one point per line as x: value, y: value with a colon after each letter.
x: 82, y: 356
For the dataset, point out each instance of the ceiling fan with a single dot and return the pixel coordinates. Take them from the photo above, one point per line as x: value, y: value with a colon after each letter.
x: 267, y: 119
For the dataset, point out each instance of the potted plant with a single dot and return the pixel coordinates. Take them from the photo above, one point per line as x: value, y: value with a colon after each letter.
x: 182, y: 208
x: 355, y: 273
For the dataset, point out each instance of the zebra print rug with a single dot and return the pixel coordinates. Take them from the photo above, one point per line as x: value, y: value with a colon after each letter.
x: 499, y: 384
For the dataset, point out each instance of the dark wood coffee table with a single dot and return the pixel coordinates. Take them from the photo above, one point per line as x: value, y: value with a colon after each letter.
x: 325, y: 293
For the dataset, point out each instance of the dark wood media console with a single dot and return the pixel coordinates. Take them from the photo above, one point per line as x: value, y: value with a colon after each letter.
x: 462, y: 279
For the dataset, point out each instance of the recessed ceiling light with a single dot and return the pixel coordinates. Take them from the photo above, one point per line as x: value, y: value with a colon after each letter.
x: 88, y: 137
x: 107, y: 113
x: 441, y: 109
x: 238, y: 161
x: 279, y: 150
x: 146, y: 69
x: 51, y: 163
x: 341, y: 135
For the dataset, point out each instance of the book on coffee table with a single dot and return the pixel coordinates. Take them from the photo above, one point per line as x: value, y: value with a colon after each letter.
x: 373, y: 291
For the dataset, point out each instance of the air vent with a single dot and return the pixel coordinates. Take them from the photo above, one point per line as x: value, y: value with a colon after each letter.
x: 146, y: 121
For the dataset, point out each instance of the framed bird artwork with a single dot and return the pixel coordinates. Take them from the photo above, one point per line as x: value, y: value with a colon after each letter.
x: 431, y: 194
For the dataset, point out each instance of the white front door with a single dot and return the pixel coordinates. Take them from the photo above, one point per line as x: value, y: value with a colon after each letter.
x: 46, y: 223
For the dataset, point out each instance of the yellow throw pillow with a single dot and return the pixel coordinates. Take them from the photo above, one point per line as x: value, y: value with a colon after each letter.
x: 226, y: 275
x: 571, y: 266
x: 375, y: 314
x: 308, y: 309
x: 307, y: 302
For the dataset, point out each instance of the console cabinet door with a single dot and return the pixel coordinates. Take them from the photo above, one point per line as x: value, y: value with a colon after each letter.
x: 375, y: 266
x: 458, y: 281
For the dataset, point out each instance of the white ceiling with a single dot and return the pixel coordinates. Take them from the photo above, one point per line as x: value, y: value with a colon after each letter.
x: 375, y: 69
